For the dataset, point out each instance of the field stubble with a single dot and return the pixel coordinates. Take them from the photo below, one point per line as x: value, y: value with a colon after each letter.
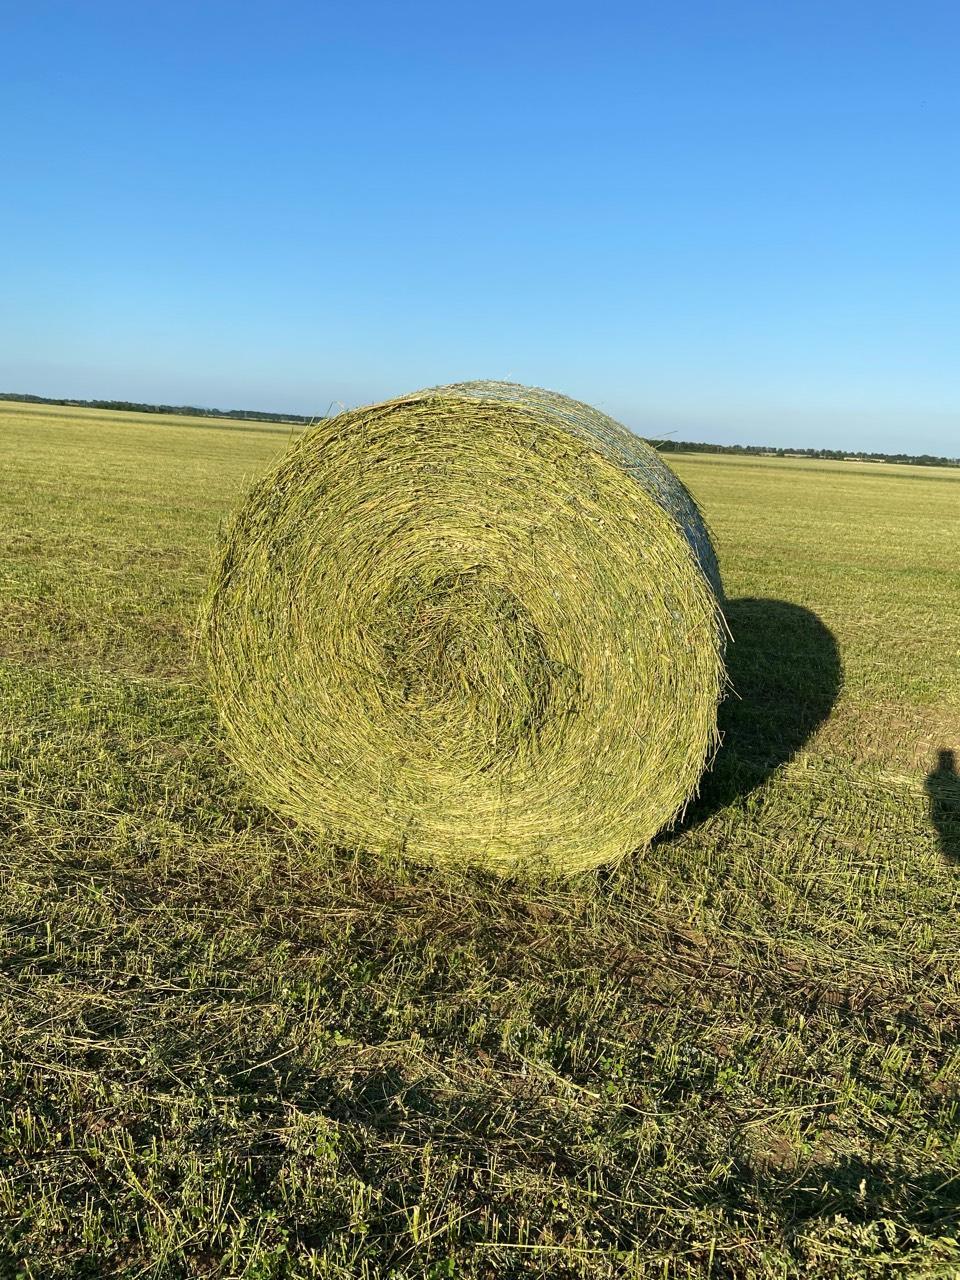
x: 226, y: 1051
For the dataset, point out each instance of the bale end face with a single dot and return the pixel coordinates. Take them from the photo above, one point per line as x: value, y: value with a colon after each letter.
x: 467, y: 625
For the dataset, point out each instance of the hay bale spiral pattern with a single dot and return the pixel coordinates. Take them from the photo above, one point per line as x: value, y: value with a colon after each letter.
x: 475, y: 624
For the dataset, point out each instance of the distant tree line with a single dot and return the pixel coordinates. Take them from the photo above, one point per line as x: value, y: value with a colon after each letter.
x: 188, y: 410
x: 837, y: 455
x: 664, y: 446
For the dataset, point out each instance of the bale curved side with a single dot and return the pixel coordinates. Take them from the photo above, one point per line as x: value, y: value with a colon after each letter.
x: 476, y: 624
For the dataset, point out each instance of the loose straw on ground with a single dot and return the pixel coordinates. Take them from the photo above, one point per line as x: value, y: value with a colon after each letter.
x: 476, y: 624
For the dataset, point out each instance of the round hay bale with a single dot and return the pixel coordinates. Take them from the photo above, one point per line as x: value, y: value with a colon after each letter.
x: 476, y: 624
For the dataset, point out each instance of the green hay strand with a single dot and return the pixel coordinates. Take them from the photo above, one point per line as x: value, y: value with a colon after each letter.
x: 476, y: 624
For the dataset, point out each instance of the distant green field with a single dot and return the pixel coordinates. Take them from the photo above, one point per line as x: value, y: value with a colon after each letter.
x: 225, y: 1051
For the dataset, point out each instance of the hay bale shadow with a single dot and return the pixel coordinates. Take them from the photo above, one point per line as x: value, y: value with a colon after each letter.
x: 786, y: 673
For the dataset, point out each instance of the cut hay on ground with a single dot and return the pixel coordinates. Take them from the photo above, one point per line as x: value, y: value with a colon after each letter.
x: 476, y: 624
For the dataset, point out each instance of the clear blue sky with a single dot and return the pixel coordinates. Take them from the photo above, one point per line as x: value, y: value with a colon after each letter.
x: 718, y: 220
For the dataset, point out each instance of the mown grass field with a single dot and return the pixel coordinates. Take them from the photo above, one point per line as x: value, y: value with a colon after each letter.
x: 225, y: 1051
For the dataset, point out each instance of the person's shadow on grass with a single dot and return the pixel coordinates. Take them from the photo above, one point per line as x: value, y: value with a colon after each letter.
x: 943, y: 790
x: 785, y: 674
